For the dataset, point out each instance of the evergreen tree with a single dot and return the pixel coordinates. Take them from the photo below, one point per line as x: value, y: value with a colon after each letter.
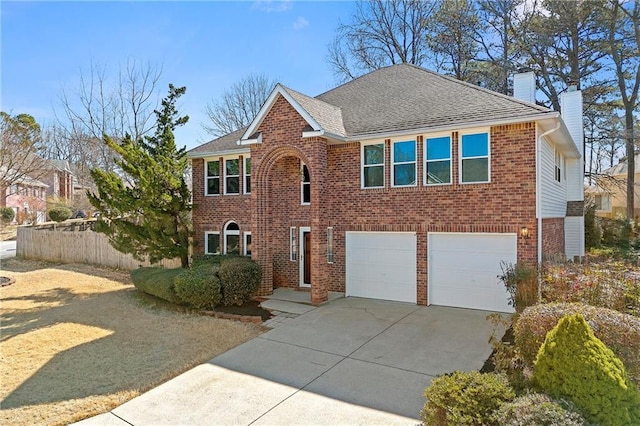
x: 148, y: 214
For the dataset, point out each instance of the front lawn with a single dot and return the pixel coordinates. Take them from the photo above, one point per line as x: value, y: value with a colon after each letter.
x: 78, y: 341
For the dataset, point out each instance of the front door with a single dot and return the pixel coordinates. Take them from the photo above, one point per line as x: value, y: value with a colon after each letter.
x: 305, y: 258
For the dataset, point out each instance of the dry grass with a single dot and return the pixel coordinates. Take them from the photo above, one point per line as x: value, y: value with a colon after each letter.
x: 78, y: 341
x: 8, y: 232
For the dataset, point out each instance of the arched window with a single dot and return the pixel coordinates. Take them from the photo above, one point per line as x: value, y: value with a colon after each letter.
x: 305, y: 185
x: 232, y: 238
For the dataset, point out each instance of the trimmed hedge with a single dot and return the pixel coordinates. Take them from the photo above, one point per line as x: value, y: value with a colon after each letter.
x: 620, y: 332
x: 199, y: 286
x: 60, y: 214
x: 573, y: 363
x: 239, y: 278
x: 536, y: 409
x: 462, y: 398
x: 158, y: 282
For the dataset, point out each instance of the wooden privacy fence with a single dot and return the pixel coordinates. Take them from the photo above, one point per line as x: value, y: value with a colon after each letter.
x: 64, y: 245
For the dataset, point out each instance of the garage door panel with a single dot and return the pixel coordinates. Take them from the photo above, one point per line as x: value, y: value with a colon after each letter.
x: 381, y: 265
x: 463, y: 270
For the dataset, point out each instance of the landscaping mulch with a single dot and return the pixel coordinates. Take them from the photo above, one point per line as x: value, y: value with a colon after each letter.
x: 250, y: 308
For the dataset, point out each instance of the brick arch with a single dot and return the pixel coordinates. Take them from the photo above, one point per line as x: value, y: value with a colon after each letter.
x: 262, y: 203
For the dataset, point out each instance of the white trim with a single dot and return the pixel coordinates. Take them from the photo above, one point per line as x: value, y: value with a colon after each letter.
x: 362, y: 165
x: 266, y: 107
x: 488, y: 156
x: 244, y: 243
x: 206, y: 242
x: 424, y: 157
x: 244, y: 174
x: 302, y: 230
x: 224, y: 174
x: 210, y: 154
x: 392, y: 163
x: 313, y: 133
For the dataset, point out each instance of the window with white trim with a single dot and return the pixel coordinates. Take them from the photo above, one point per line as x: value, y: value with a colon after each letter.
x: 373, y: 166
x: 293, y: 244
x: 232, y: 176
x: 211, y: 243
x: 247, y: 244
x: 232, y: 238
x: 403, y: 157
x: 474, y: 158
x: 247, y: 175
x: 330, y: 244
x: 212, y: 177
x: 557, y: 169
x: 437, y: 160
x: 305, y: 185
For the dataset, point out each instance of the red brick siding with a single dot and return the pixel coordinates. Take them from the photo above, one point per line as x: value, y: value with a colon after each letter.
x: 504, y: 205
x: 552, y: 237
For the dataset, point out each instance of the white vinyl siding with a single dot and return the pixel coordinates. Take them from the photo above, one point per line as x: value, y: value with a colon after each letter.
x: 574, y: 236
x: 575, y: 179
x: 554, y: 194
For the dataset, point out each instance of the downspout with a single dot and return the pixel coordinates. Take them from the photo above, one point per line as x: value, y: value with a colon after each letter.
x: 539, y: 201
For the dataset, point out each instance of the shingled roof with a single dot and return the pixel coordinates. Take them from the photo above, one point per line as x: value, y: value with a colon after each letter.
x: 395, y: 99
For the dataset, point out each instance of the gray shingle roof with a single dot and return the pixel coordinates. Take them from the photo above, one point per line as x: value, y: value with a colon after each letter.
x: 327, y: 115
x: 227, y: 142
x: 622, y: 166
x: 405, y: 97
x: 397, y: 98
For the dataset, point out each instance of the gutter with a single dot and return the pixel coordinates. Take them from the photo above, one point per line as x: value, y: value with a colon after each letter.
x: 538, y: 197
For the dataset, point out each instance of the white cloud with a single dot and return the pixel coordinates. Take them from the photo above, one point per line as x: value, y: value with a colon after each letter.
x: 272, y: 5
x: 300, y: 23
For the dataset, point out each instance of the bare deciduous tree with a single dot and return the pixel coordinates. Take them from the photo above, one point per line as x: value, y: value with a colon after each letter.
x: 381, y: 33
x: 239, y: 105
x: 20, y: 142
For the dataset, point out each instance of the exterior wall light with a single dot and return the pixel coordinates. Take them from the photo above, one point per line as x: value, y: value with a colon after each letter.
x: 524, y: 233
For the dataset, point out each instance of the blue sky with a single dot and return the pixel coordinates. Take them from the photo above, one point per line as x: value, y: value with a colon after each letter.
x: 206, y: 46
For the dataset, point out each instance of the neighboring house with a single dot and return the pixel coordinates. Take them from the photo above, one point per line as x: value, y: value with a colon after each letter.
x: 402, y: 185
x: 59, y: 177
x: 610, y: 191
x: 28, y: 199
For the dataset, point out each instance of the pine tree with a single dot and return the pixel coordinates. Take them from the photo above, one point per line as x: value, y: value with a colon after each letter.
x: 145, y: 210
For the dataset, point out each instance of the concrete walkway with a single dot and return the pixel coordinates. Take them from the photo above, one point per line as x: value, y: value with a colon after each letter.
x: 350, y: 361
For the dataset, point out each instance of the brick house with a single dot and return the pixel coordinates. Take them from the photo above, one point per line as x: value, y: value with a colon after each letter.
x: 401, y: 185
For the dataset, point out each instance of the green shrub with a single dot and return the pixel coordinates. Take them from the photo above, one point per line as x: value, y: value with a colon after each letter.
x: 7, y: 215
x: 157, y: 282
x: 239, y: 280
x: 536, y: 409
x: 60, y: 214
x: 199, y: 286
x: 211, y: 259
x: 573, y: 363
x: 521, y: 281
x: 620, y: 332
x: 462, y: 398
x: 592, y: 232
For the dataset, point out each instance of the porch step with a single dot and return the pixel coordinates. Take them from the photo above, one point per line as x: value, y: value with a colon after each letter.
x: 285, y: 306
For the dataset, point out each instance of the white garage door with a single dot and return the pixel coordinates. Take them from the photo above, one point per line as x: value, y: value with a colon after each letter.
x: 381, y: 265
x: 463, y: 269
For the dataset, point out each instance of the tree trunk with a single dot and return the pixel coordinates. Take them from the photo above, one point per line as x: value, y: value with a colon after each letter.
x: 631, y: 160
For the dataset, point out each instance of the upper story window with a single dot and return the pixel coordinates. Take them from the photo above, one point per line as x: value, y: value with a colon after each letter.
x: 247, y: 244
x: 474, y: 158
x: 404, y: 163
x: 373, y: 165
x: 232, y: 176
x: 305, y: 185
x: 212, y: 177
x: 247, y: 175
x: 557, y: 169
x: 437, y: 160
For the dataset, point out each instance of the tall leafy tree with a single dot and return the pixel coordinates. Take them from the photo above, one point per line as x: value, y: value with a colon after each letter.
x: 622, y: 46
x: 147, y: 215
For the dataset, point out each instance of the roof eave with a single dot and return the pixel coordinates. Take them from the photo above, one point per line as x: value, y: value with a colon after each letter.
x: 218, y: 153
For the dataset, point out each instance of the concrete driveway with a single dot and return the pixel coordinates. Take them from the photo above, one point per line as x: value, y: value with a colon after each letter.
x: 351, y: 361
x: 7, y: 249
